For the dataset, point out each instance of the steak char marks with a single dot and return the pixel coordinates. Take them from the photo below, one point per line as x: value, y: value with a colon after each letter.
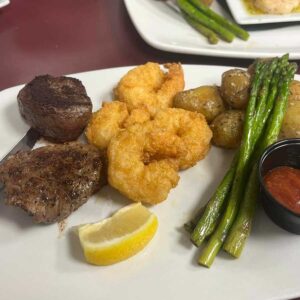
x: 51, y: 182
x: 57, y: 107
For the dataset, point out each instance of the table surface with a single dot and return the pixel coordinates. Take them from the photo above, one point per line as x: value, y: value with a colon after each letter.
x: 62, y: 37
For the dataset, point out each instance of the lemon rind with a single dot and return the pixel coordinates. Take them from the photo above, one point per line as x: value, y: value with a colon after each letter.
x: 114, y: 241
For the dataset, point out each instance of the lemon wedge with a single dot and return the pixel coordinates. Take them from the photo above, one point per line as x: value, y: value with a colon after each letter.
x: 119, y: 237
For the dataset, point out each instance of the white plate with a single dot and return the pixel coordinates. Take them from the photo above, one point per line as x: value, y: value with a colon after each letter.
x: 242, y: 16
x: 164, y: 29
x: 39, y: 263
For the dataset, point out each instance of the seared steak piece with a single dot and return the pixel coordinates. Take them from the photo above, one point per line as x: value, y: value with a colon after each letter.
x: 52, y: 181
x: 57, y: 107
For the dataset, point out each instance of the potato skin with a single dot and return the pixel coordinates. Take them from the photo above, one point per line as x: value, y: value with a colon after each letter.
x: 204, y: 99
x: 235, y: 88
x: 291, y: 122
x: 227, y: 129
x: 294, y: 91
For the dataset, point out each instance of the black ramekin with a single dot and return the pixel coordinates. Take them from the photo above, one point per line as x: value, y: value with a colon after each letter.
x: 283, y: 153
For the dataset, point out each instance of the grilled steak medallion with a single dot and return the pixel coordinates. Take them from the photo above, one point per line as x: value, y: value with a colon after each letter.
x: 57, y: 107
x: 52, y: 181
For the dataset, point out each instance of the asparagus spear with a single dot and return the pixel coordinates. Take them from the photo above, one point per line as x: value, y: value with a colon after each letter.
x: 241, y: 228
x: 274, y: 125
x: 201, y: 18
x: 208, y: 220
x: 262, y: 116
x: 209, y: 34
x: 218, y: 237
x: 263, y: 99
x: 234, y: 28
x: 190, y: 226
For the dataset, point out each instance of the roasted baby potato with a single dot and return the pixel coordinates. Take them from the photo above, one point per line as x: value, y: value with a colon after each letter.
x: 227, y: 129
x: 294, y: 91
x: 235, y: 88
x: 204, y: 99
x: 291, y: 123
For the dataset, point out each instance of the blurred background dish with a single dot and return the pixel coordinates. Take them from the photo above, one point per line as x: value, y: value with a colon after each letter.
x: 245, y: 12
x: 163, y: 28
x: 4, y: 3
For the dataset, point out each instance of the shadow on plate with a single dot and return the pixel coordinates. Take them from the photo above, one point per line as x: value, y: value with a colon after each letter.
x: 14, y: 119
x: 74, y: 247
x: 184, y: 238
x: 203, y: 200
x: 108, y: 193
x: 263, y: 226
x: 15, y: 215
x: 103, y: 197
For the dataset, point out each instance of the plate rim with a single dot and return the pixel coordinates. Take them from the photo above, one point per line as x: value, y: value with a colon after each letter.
x: 291, y: 293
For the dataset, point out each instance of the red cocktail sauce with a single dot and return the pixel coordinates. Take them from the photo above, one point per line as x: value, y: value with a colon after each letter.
x: 284, y: 185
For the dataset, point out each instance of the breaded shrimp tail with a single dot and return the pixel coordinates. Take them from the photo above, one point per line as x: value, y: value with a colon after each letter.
x: 147, y: 86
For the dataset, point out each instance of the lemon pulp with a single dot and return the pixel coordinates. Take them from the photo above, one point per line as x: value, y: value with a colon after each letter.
x: 119, y: 237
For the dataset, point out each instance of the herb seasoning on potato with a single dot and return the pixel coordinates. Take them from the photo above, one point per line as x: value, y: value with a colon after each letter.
x: 291, y: 122
x: 204, y: 99
x: 235, y: 88
x: 227, y: 129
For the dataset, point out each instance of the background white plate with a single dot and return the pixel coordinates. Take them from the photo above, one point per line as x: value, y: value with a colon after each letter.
x: 39, y: 263
x: 164, y: 29
x: 4, y: 3
x: 242, y: 16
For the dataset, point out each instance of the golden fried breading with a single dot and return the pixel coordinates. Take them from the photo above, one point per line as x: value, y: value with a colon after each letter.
x: 138, y: 115
x: 147, y: 86
x: 127, y: 172
x: 191, y: 128
x: 144, y: 158
x: 109, y: 120
x: 105, y: 123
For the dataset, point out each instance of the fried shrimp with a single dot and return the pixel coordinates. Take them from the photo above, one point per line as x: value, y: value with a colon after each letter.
x: 109, y: 120
x: 147, y: 86
x: 148, y: 182
x: 144, y: 158
x: 137, y: 116
x: 191, y: 128
x: 106, y: 123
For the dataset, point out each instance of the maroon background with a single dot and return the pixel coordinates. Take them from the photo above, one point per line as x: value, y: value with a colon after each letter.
x: 69, y: 36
